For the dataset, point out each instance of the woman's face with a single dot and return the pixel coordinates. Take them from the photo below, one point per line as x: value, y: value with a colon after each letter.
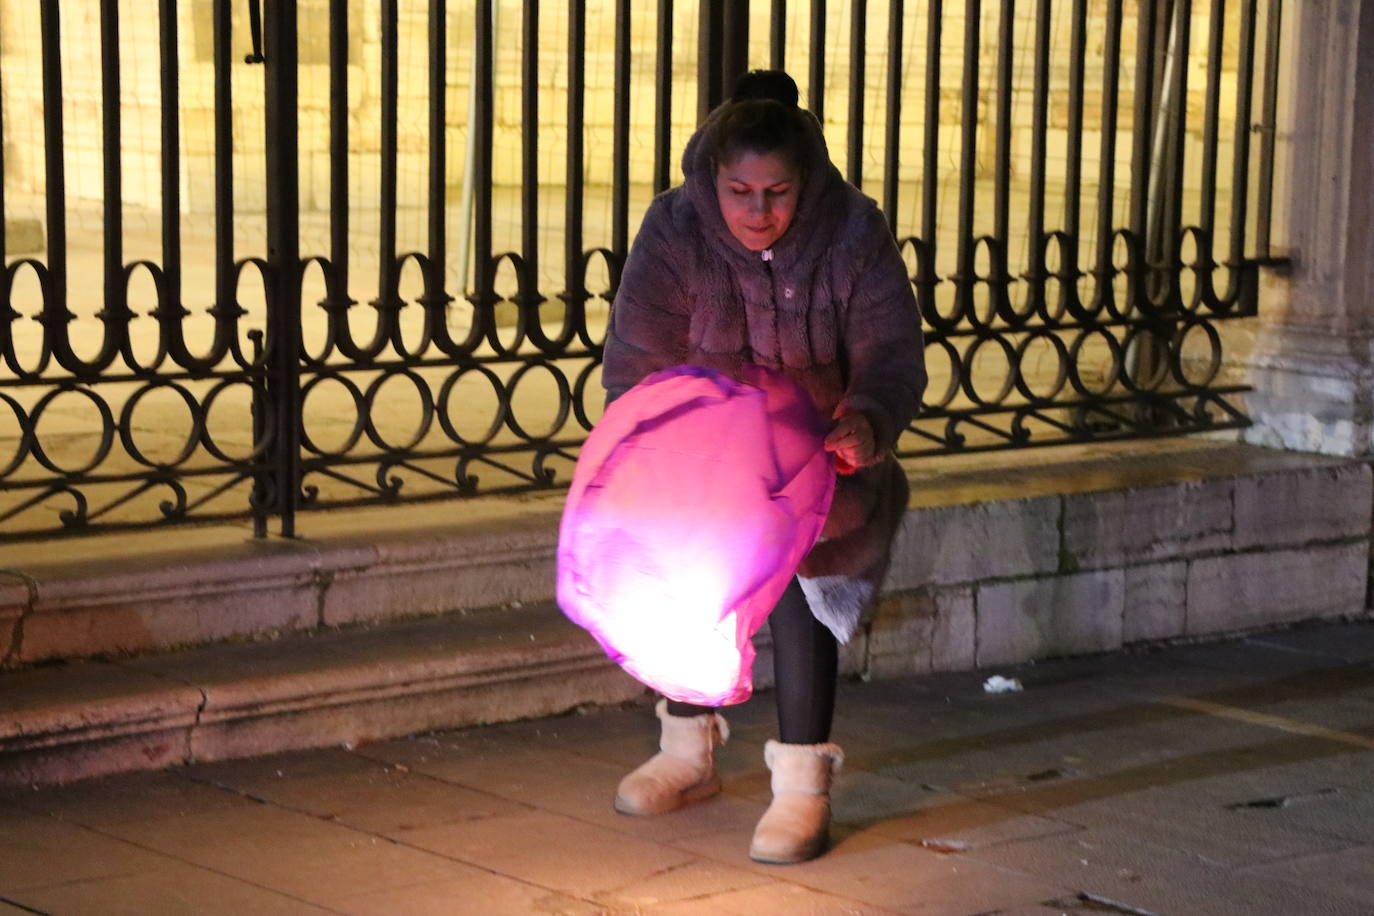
x: 758, y: 197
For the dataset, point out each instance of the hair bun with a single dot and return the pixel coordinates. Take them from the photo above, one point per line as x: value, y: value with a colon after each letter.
x: 766, y: 84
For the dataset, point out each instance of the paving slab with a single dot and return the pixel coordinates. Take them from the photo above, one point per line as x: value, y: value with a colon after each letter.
x: 130, y: 797
x: 788, y: 898
x: 355, y: 791
x: 41, y: 852
x: 697, y: 880
x: 553, y: 851
x: 172, y: 888
x: 1344, y: 872
x: 297, y: 854
x: 476, y: 893
x: 1136, y: 875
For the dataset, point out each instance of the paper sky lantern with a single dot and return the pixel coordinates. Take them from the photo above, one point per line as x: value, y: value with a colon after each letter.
x: 694, y: 500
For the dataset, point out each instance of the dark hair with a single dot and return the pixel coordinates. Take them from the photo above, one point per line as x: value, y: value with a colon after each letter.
x: 762, y: 117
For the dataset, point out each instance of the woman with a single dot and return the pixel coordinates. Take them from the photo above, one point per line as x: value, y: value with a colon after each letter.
x: 765, y: 255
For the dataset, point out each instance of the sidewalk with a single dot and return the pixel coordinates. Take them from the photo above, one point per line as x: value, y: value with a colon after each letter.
x: 1227, y: 778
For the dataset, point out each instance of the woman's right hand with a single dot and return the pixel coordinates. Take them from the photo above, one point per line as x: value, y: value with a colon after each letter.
x: 851, y: 439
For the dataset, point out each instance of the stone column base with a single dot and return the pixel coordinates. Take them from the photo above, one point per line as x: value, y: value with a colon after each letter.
x: 1314, y: 391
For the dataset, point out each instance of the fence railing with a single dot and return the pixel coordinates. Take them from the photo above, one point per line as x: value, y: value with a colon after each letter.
x: 363, y: 251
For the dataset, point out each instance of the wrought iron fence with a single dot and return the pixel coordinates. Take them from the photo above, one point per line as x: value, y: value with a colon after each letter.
x: 354, y: 284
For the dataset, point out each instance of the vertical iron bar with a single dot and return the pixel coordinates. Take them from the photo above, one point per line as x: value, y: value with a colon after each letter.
x: 225, y: 294
x: 1107, y: 177
x: 620, y: 168
x: 1073, y: 167
x: 1240, y: 197
x: 1040, y: 103
x: 283, y: 252
x: 115, y: 305
x: 968, y: 156
x: 55, y: 313
x: 1268, y: 114
x: 1142, y: 122
x: 1002, y: 202
x: 777, y: 34
x: 892, y: 142
x: 481, y: 123
x: 663, y: 96
x: 388, y: 322
x: 1178, y: 133
x: 338, y: 142
x: 930, y: 166
x: 171, y: 163
x: 435, y: 298
x: 529, y: 139
x: 1268, y: 128
x: 710, y: 50
x: 815, y: 91
x: 857, y: 20
x: 734, y: 44
x: 575, y: 295
x: 1210, y: 122
x: 259, y: 502
x: 3, y: 241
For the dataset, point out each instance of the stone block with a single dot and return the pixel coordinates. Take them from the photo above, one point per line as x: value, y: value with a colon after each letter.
x: 88, y: 758
x: 945, y: 545
x: 232, y: 732
x: 1059, y: 615
x: 1156, y: 604
x: 1240, y: 591
x: 1094, y: 528
x: 88, y: 719
x: 1324, y: 503
x: 920, y: 632
x: 125, y: 627
x: 158, y: 601
x: 899, y: 637
x: 493, y: 558
x: 954, y: 639
x: 458, y: 580
x: 14, y: 603
x: 362, y: 685
x: 1140, y: 525
x: 24, y: 235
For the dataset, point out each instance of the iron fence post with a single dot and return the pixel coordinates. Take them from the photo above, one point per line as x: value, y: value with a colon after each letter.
x: 722, y: 51
x: 283, y: 255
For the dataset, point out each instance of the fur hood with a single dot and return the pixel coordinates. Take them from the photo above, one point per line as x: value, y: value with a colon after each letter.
x: 822, y: 189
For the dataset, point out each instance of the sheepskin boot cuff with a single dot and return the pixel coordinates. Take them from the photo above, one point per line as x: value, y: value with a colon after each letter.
x: 796, y: 826
x: 684, y: 769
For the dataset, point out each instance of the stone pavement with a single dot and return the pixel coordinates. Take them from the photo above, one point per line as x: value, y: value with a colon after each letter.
x: 1220, y: 778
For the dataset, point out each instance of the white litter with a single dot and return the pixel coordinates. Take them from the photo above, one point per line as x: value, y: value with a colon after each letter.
x: 999, y: 684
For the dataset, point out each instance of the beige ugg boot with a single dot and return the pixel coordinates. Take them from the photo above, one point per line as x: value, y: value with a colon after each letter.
x: 684, y: 770
x: 796, y: 826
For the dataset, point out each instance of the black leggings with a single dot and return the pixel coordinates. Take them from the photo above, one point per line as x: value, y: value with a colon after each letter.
x: 805, y: 661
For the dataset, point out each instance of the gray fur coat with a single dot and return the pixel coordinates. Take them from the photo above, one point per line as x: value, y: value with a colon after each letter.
x: 833, y: 309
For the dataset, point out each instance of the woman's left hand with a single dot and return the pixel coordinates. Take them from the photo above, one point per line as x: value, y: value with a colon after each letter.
x: 851, y: 439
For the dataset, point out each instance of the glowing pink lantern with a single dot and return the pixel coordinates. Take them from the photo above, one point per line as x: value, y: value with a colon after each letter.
x: 694, y: 500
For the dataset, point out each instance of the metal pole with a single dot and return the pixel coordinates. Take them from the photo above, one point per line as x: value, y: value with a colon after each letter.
x: 283, y: 253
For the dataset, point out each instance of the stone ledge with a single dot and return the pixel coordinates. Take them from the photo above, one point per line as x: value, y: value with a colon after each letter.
x: 972, y: 519
x: 161, y: 590
x: 66, y: 722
